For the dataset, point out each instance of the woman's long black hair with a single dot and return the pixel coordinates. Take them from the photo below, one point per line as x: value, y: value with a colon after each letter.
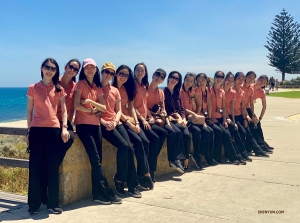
x: 205, y: 77
x: 145, y: 81
x: 55, y: 78
x: 79, y: 64
x: 191, y: 75
x: 179, y: 83
x: 96, y: 79
x: 129, y: 85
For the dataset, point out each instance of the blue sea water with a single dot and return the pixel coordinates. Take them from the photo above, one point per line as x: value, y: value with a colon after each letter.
x: 13, y: 104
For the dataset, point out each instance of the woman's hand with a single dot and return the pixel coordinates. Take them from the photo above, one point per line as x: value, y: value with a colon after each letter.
x: 236, y: 126
x: 249, y: 119
x: 245, y: 123
x: 65, y: 135
x: 225, y: 125
x: 27, y: 138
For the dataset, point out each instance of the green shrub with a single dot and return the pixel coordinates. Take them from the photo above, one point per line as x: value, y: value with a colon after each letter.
x: 13, y: 147
x: 14, y: 180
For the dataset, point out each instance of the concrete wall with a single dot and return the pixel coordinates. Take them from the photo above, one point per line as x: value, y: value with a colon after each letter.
x: 75, y: 171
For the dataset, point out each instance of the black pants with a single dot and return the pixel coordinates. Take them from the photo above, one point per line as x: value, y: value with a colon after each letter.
x: 205, y: 143
x: 44, y: 156
x: 217, y: 143
x: 186, y: 139
x: 126, y: 171
x: 175, y: 145
x: 140, y: 145
x: 156, y: 135
x: 91, y: 138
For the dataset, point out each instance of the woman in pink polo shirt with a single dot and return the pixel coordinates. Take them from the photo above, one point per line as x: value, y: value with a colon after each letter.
x: 155, y: 134
x: 44, y: 135
x: 202, y: 136
x: 88, y: 103
x: 218, y: 114
x: 124, y: 81
x: 114, y: 132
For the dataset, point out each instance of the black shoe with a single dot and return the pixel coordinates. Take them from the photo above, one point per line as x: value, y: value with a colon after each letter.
x: 152, y: 176
x: 32, y: 211
x: 261, y: 153
x: 56, y: 210
x: 249, y: 153
x: 148, y: 182
x: 119, y: 186
x: 212, y: 163
x: 242, y: 162
x: 102, y: 200
x: 143, y: 185
x: 135, y: 193
x: 267, y: 150
x: 196, y: 163
x: 176, y: 165
x: 248, y: 159
x: 115, y: 199
x: 235, y: 162
x: 270, y: 147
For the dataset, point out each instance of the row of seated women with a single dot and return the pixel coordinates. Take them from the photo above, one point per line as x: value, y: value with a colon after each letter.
x: 137, y: 117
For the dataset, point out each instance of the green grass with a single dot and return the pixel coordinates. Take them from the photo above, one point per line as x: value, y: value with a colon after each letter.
x: 289, y: 94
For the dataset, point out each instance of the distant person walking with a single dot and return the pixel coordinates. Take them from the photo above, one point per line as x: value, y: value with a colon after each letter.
x: 276, y: 84
x: 272, y: 83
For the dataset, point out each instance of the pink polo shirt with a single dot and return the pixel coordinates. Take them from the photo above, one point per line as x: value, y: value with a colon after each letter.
x: 248, y: 92
x: 216, y: 101
x: 70, y: 91
x: 230, y: 96
x: 45, y: 104
x: 186, y: 99
x: 87, y: 92
x: 239, y: 97
x: 204, y: 98
x: 124, y: 101
x: 154, y: 97
x: 111, y: 96
x: 140, y: 100
x: 259, y: 93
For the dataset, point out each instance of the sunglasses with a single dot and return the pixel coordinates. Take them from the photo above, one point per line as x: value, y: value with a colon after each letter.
x: 175, y: 78
x: 47, y: 67
x: 219, y: 76
x: 73, y: 68
x: 121, y: 74
x: 160, y: 75
x: 110, y: 73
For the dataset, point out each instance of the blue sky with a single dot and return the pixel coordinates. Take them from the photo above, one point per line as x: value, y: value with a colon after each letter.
x: 188, y: 36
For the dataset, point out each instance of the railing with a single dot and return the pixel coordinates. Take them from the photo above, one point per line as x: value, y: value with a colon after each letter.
x: 289, y: 86
x: 12, y: 162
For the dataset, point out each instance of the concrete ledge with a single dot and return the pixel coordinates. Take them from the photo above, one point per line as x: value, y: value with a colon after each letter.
x: 75, y: 171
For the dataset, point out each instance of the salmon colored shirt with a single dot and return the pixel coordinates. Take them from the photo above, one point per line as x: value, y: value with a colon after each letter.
x: 216, y: 101
x: 87, y: 92
x: 239, y: 97
x: 124, y: 101
x: 111, y: 96
x: 45, y: 104
x: 140, y: 100
x: 186, y: 99
x: 248, y: 92
x: 204, y: 98
x: 70, y: 91
x: 259, y: 93
x: 154, y: 97
x: 229, y: 97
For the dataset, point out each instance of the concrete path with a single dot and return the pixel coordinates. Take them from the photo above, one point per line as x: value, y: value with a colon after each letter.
x: 224, y: 193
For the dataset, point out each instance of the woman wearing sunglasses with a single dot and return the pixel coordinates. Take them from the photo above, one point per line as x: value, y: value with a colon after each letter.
x: 156, y: 104
x: 240, y: 114
x: 203, y: 107
x: 155, y: 134
x: 176, y: 112
x: 114, y: 132
x: 125, y: 83
x: 251, y: 117
x: 44, y: 135
x: 88, y: 102
x: 218, y: 114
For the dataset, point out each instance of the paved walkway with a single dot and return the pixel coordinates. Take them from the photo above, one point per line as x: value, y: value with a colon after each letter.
x: 225, y: 193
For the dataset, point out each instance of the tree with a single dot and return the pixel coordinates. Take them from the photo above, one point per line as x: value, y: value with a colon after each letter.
x: 283, y: 44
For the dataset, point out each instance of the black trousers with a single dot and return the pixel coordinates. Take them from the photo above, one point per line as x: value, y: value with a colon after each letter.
x: 156, y: 135
x: 44, y: 157
x: 91, y: 138
x: 140, y: 146
x: 205, y: 142
x: 175, y: 145
x: 186, y: 139
x: 126, y: 171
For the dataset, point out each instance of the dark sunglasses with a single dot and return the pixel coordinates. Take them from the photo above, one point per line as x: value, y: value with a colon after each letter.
x: 73, y: 68
x: 121, y: 74
x: 219, y: 76
x: 175, y: 78
x: 110, y: 73
x: 160, y: 75
x: 47, y: 67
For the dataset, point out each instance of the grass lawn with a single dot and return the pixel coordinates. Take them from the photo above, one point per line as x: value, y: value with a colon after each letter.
x: 289, y: 94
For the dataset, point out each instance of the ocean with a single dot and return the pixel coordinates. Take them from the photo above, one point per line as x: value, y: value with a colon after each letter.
x: 13, y: 104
